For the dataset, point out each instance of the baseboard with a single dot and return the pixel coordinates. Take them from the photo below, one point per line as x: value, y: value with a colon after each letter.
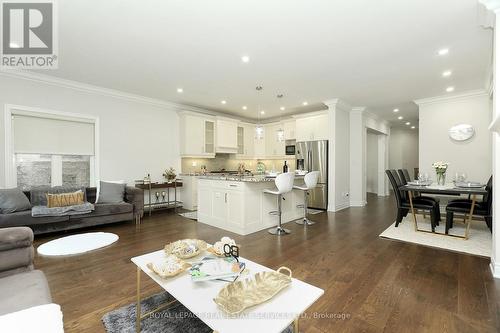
x: 495, y: 269
x: 361, y: 203
x: 341, y: 206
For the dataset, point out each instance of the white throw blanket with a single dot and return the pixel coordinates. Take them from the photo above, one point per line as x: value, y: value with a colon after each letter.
x: 46, y: 318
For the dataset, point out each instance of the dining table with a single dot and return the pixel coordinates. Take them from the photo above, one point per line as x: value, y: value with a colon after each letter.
x: 450, y: 189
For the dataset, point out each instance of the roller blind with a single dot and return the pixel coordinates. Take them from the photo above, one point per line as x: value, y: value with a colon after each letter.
x: 52, y: 136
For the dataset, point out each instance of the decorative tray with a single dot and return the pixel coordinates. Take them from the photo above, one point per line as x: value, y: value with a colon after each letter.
x: 240, y: 295
x: 170, y: 267
x: 186, y: 248
x: 469, y: 185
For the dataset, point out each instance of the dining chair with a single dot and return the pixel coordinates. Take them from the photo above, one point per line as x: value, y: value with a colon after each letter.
x: 404, y: 175
x: 463, y: 206
x: 403, y: 204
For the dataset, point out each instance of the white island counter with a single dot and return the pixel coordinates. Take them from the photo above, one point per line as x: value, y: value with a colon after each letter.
x: 240, y: 206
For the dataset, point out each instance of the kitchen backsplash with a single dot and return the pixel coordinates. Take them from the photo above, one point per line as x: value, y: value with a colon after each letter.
x: 229, y: 162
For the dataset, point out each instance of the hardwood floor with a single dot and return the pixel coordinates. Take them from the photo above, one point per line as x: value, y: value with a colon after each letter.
x: 371, y: 284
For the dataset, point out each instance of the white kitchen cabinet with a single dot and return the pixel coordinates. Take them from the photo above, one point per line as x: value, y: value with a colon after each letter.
x: 274, y: 148
x: 312, y: 127
x: 189, y: 192
x: 219, y: 206
x: 227, y: 136
x: 234, y: 205
x: 196, y: 145
x: 289, y: 127
x: 246, y: 135
x: 259, y: 145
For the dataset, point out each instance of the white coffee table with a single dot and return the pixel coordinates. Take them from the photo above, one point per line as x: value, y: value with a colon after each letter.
x: 272, y: 316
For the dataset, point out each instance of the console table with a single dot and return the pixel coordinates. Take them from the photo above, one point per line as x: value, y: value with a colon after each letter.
x: 162, y: 202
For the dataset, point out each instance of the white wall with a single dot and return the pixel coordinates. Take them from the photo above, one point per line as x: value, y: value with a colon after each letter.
x: 437, y: 115
x: 135, y: 138
x: 403, y: 149
x: 371, y: 163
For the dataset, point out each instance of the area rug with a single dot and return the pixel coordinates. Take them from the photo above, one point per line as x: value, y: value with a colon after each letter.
x: 175, y: 319
x: 77, y: 244
x: 190, y: 215
x: 479, y: 242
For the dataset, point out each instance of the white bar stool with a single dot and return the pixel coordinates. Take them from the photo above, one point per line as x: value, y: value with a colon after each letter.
x: 310, y: 180
x: 284, y: 184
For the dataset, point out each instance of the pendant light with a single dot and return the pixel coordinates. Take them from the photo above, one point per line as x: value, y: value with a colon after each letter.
x: 280, y: 133
x: 259, y: 129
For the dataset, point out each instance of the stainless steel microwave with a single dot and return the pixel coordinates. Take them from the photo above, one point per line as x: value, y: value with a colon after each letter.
x: 290, y: 150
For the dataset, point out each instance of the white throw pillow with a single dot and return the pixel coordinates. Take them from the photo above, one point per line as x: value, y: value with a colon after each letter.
x: 98, y: 182
x: 41, y: 318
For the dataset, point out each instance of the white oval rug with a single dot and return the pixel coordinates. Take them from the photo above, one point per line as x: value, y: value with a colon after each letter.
x: 76, y: 244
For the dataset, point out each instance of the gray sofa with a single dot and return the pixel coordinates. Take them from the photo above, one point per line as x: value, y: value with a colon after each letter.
x: 21, y: 286
x: 131, y: 209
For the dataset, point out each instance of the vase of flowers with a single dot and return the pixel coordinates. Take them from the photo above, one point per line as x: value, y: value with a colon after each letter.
x: 440, y: 168
x: 170, y: 175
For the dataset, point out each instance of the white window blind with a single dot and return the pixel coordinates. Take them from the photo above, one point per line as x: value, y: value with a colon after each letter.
x: 52, y: 136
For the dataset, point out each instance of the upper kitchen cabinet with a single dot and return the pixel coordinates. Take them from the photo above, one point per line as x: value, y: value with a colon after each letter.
x: 312, y: 126
x: 274, y: 148
x: 195, y: 145
x: 227, y: 136
x: 290, y: 129
x: 246, y: 134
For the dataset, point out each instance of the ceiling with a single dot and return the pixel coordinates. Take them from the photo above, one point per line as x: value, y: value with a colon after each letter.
x: 379, y: 54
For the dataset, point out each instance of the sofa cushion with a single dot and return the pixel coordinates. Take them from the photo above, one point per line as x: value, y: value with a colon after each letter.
x: 42, y: 318
x: 22, y: 291
x: 111, y: 192
x: 24, y: 218
x: 13, y: 200
x: 38, y: 194
x: 108, y: 209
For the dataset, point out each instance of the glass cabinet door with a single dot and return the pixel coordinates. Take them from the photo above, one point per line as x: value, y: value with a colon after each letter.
x: 209, y: 137
x: 241, y: 136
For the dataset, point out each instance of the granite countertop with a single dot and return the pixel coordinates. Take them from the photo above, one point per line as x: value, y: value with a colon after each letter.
x: 236, y: 178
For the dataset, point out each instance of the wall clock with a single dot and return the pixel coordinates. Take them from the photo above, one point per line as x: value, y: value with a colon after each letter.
x: 461, y: 132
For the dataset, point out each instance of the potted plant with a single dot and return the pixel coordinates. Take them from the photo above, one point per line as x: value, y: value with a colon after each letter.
x: 170, y: 175
x: 440, y: 168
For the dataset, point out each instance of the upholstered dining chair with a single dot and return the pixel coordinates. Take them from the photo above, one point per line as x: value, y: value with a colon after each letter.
x: 463, y: 206
x: 403, y: 204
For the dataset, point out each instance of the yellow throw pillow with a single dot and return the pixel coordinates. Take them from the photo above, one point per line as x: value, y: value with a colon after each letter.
x: 64, y: 199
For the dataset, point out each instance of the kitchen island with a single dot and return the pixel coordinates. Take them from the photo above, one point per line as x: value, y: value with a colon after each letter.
x: 238, y: 203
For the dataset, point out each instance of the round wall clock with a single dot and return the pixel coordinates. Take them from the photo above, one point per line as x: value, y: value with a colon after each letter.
x: 461, y: 132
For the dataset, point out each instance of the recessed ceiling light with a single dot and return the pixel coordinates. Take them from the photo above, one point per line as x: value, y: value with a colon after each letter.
x: 244, y: 107
x: 408, y: 123
x: 262, y: 112
x: 14, y: 45
x: 282, y: 108
x: 304, y: 103
x: 223, y: 102
x: 413, y: 127
x: 245, y: 59
x: 450, y: 89
x: 180, y: 90
x: 443, y: 52
x: 395, y: 110
x: 446, y: 73
x: 400, y: 117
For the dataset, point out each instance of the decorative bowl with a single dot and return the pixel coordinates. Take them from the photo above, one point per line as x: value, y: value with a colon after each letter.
x: 186, y: 248
x: 218, y: 248
x: 235, y: 297
x: 169, y: 268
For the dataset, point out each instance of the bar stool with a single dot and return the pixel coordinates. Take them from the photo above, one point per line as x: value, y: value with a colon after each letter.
x: 310, y: 182
x: 284, y: 184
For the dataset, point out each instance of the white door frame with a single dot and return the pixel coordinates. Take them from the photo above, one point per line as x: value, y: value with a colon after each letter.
x: 11, y: 110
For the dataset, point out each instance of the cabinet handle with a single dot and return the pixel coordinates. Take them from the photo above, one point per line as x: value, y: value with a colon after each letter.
x: 233, y: 185
x: 225, y: 197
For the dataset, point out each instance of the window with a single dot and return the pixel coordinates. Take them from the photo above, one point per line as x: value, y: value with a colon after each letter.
x: 51, y: 149
x: 52, y: 170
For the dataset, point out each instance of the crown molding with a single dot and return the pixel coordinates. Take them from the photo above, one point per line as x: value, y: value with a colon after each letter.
x: 358, y: 110
x: 337, y: 103
x: 493, y: 5
x: 447, y: 98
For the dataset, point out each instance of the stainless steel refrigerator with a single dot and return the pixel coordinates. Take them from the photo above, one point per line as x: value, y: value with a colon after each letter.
x: 313, y: 156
